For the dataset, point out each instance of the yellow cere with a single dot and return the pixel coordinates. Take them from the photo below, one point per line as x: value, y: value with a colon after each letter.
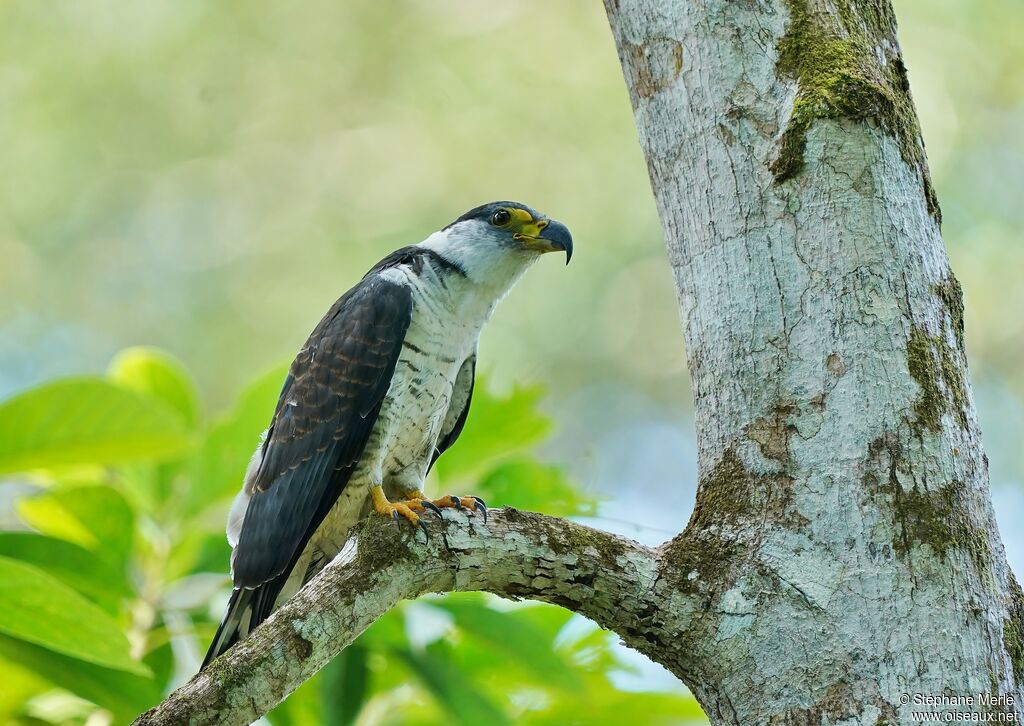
x: 524, y: 224
x: 520, y: 215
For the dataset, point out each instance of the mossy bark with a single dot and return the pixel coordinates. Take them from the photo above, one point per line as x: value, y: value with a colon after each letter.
x: 847, y: 64
x: 843, y: 544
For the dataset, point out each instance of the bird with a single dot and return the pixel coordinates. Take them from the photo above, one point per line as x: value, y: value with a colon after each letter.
x: 380, y: 389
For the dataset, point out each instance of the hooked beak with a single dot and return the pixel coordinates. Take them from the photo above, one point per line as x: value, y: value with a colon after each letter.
x: 548, y: 236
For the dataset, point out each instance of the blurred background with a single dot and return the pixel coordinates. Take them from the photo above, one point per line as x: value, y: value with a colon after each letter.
x: 206, y: 178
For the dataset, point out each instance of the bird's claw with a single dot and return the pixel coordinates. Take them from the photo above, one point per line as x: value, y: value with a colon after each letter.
x: 418, y: 504
x: 474, y: 504
x: 397, y: 518
x: 412, y: 508
x: 427, y: 504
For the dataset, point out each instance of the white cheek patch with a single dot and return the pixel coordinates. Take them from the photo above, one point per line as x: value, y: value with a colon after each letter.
x: 478, y: 249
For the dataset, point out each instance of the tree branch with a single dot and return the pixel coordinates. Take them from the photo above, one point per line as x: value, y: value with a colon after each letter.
x: 516, y: 555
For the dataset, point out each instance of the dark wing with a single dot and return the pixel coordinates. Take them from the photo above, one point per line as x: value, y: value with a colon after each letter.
x: 330, y: 402
x: 458, y: 409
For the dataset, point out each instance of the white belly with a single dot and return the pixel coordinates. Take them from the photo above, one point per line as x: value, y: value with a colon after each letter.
x: 417, y: 403
x: 396, y: 456
x: 402, y: 442
x: 442, y: 334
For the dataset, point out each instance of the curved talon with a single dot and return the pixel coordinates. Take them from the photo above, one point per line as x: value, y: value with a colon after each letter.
x: 419, y: 504
x: 427, y: 504
x: 397, y: 511
x: 482, y: 507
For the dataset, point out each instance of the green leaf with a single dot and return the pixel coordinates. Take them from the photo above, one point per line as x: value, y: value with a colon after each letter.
x: 148, y: 486
x: 199, y: 550
x: 221, y: 460
x: 160, y: 661
x: 125, y: 695
x: 529, y: 484
x: 508, y: 634
x: 19, y: 685
x: 387, y: 632
x: 497, y: 426
x: 158, y: 374
x: 344, y: 686
x: 452, y: 688
x: 611, y: 707
x: 85, y: 421
x: 593, y: 653
x: 40, y: 609
x: 75, y: 566
x: 96, y: 517
x: 304, y: 707
x: 549, y: 619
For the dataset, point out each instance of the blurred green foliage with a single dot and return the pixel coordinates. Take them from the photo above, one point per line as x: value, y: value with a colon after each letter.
x: 208, y: 177
x: 107, y: 583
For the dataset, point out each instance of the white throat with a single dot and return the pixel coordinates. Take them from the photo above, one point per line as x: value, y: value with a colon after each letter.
x: 489, y: 265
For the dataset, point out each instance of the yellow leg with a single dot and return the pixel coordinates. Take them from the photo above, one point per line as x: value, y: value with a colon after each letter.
x: 395, y: 510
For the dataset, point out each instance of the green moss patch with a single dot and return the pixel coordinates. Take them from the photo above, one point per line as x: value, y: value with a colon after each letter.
x: 703, y: 553
x: 930, y: 403
x: 835, y: 60
x: 935, y: 517
x: 577, y: 538
x: 938, y: 371
x: 952, y: 297
x: 729, y: 496
x: 381, y: 545
x: 1013, y: 631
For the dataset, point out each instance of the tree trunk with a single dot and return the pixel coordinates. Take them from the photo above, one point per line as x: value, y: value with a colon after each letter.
x: 843, y: 540
x: 842, y: 564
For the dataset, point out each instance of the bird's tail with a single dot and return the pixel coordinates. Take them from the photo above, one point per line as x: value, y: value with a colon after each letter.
x: 237, y: 622
x: 247, y: 608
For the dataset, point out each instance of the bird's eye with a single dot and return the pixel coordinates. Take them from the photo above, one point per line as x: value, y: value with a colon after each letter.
x: 501, y: 218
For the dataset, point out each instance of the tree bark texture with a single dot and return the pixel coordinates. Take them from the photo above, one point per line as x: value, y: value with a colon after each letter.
x: 842, y: 561
x: 843, y: 544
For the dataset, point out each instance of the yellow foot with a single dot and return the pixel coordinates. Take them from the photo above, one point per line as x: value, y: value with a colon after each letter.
x: 397, y: 510
x: 418, y: 502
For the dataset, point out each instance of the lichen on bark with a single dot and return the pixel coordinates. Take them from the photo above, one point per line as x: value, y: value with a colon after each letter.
x: 580, y: 540
x: 657, y: 64
x: 847, y: 65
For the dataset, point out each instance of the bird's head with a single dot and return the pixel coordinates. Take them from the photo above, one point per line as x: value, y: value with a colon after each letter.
x: 499, y: 239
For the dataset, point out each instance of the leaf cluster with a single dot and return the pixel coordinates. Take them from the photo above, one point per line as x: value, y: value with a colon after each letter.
x: 113, y: 572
